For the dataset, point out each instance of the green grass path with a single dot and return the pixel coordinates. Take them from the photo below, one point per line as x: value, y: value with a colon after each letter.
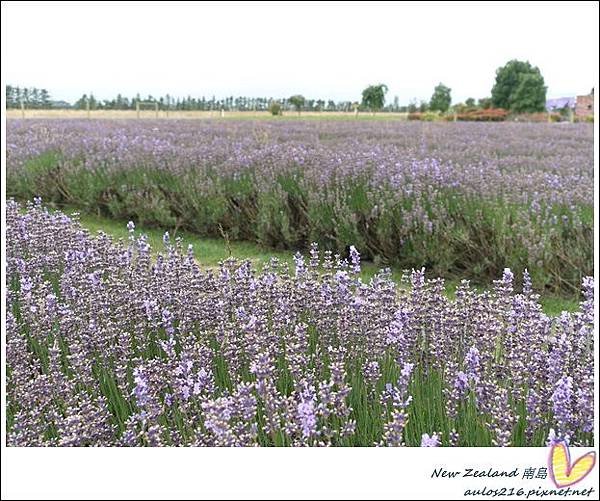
x: 210, y: 251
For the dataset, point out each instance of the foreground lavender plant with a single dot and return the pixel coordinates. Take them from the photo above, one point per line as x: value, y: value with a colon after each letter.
x: 108, y: 345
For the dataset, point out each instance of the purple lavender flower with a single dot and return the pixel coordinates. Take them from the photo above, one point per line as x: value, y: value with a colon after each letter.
x: 355, y: 259
x: 562, y: 406
x: 433, y: 441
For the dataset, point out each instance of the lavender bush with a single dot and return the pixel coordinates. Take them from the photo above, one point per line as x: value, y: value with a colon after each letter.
x: 462, y: 199
x: 107, y: 346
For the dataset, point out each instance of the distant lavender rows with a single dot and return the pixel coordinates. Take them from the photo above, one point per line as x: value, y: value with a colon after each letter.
x: 463, y: 199
x: 107, y: 347
x: 523, y: 162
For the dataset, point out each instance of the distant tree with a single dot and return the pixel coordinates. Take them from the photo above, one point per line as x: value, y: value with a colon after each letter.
x: 10, y: 97
x: 396, y: 103
x: 484, y: 103
x: 275, y: 108
x: 25, y: 96
x: 519, y: 86
x: 34, y: 98
x: 373, y: 97
x: 423, y: 106
x: 297, y: 101
x: 44, y: 99
x: 441, y: 99
x: 459, y: 108
x: 470, y: 102
x: 18, y: 96
x: 412, y: 106
x: 81, y: 103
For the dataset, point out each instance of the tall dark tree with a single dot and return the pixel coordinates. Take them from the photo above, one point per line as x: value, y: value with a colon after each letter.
x: 18, y: 96
x: 10, y: 97
x: 34, y: 97
x: 44, y: 99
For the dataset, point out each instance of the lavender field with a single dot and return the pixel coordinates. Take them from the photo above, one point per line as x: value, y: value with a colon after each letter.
x: 107, y: 347
x: 465, y: 200
x: 109, y: 343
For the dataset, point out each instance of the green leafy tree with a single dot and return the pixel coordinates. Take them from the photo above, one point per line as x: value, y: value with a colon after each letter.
x: 470, y: 102
x: 519, y: 87
x: 373, y: 97
x: 530, y: 94
x: 297, y: 101
x: 441, y: 99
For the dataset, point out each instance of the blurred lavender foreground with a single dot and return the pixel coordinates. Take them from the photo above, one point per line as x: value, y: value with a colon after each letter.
x: 465, y: 200
x: 108, y: 346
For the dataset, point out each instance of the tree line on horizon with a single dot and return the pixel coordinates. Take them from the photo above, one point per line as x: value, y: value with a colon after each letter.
x: 519, y: 87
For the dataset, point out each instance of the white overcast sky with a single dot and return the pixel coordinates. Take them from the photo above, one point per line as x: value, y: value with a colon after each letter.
x: 319, y: 50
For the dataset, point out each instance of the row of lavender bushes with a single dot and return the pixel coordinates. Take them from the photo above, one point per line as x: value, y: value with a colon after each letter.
x: 111, y: 345
x: 462, y: 199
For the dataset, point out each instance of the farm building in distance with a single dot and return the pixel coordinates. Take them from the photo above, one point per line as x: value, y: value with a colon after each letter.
x: 561, y: 103
x: 584, y: 106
